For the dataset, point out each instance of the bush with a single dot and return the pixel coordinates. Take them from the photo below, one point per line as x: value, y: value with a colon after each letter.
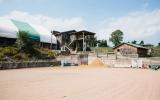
x: 2, y: 57
x: 24, y: 42
x: 155, y: 51
x: 13, y: 53
x: 9, y: 51
x: 21, y: 56
x: 47, y: 53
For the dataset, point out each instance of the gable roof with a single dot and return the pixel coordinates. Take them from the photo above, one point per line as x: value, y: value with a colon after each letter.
x: 134, y: 45
x: 68, y: 32
x: 85, y: 32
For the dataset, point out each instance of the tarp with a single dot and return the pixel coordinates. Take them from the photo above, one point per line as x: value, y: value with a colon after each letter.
x: 10, y: 27
x: 22, y: 26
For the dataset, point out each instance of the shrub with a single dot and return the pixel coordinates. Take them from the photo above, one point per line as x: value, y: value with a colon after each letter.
x: 9, y: 51
x: 47, y: 53
x: 156, y: 51
x: 24, y: 42
x: 2, y: 57
x: 21, y: 56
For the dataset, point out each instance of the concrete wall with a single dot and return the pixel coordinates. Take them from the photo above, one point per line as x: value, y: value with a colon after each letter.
x: 28, y: 64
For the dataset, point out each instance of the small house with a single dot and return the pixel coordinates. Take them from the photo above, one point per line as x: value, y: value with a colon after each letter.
x: 128, y: 49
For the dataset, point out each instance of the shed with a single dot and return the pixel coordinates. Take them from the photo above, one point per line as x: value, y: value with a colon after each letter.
x: 126, y: 49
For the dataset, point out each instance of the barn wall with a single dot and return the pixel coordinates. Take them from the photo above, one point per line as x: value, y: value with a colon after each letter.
x: 126, y: 49
x: 142, y: 52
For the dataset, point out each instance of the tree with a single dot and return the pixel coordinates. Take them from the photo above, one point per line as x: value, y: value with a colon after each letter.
x: 24, y: 43
x: 116, y: 37
x: 102, y: 43
x: 94, y: 41
x: 134, y: 42
x: 158, y: 44
x: 141, y: 43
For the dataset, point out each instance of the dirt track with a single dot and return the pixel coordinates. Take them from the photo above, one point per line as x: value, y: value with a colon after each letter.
x: 79, y: 84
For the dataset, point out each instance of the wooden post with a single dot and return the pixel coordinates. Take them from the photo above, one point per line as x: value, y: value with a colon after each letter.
x: 83, y: 41
x: 76, y: 45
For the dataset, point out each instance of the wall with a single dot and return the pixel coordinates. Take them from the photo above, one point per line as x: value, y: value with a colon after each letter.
x: 28, y: 64
x: 142, y: 52
x: 126, y: 49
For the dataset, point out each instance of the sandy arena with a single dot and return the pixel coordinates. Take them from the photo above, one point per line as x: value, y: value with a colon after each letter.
x: 79, y: 84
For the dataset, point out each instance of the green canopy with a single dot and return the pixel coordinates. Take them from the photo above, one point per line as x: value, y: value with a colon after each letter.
x: 22, y: 26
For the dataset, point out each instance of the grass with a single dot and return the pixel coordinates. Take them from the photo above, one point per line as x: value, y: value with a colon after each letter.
x: 156, y: 51
x: 102, y: 49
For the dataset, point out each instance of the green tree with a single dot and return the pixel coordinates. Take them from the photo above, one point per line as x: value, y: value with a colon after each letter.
x: 24, y: 43
x: 134, y: 42
x: 116, y: 37
x: 141, y: 42
x: 94, y: 41
x: 158, y: 44
x: 103, y: 43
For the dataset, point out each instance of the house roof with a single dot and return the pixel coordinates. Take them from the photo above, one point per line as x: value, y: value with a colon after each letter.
x: 74, y: 32
x: 69, y: 32
x: 134, y: 45
x: 55, y: 32
x: 85, y: 32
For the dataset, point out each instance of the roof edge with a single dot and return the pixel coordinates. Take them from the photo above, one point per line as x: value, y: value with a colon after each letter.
x: 134, y: 45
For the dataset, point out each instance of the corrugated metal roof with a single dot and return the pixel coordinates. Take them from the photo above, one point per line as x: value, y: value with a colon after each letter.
x: 134, y: 45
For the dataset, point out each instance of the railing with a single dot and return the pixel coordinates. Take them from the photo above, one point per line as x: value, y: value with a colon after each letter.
x: 86, y: 37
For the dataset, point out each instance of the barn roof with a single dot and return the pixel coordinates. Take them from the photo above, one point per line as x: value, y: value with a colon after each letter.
x: 74, y: 32
x: 85, y: 32
x: 134, y: 45
x: 69, y: 32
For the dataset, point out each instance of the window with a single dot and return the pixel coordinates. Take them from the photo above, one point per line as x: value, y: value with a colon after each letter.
x: 118, y: 50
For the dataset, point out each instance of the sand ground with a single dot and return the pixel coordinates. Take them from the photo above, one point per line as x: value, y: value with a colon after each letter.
x: 79, y: 84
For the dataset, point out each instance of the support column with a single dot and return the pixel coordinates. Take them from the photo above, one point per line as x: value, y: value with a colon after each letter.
x: 83, y: 42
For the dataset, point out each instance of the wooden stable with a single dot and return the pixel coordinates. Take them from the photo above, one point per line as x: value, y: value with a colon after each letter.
x: 126, y: 49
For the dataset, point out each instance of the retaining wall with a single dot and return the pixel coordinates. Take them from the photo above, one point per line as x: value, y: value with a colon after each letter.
x: 28, y: 64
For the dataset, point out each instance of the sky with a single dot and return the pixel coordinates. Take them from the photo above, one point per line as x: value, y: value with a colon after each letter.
x: 137, y: 19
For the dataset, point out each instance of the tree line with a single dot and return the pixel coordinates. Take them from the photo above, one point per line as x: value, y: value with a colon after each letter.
x: 116, y: 38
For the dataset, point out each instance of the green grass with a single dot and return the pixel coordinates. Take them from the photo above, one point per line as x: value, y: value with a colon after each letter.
x: 156, y: 51
x: 102, y: 49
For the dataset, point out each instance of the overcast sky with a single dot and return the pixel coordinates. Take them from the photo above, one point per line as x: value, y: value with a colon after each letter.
x: 138, y: 19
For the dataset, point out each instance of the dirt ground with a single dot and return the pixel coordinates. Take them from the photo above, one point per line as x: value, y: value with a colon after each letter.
x: 79, y: 84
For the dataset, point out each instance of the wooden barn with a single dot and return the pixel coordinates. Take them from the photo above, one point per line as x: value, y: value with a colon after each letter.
x: 128, y: 49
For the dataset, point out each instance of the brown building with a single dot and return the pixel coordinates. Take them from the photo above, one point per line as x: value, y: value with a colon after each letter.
x: 74, y: 40
x: 126, y: 49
